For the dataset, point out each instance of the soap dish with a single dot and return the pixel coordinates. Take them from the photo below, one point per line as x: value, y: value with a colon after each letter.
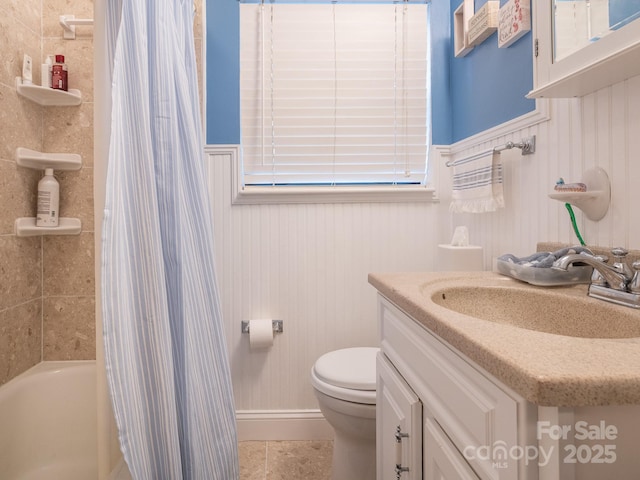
x: 545, y: 277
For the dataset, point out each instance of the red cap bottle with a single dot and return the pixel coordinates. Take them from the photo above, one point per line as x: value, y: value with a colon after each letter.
x: 59, y: 74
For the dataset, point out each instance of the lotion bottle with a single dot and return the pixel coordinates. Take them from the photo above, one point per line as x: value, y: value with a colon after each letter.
x: 48, y: 200
x: 45, y: 73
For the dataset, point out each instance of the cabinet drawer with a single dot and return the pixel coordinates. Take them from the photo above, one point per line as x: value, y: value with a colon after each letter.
x: 473, y: 411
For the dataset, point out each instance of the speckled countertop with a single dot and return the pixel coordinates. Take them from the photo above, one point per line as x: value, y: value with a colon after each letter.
x: 545, y: 368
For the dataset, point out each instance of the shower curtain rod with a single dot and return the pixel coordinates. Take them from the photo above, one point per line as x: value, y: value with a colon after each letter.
x: 527, y: 145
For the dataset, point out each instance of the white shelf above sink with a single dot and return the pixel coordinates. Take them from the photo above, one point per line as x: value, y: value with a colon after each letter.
x: 26, y: 227
x: 49, y: 96
x: 40, y: 161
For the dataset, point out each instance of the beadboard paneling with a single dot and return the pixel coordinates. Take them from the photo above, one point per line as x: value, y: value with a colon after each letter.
x: 308, y: 264
x: 600, y: 129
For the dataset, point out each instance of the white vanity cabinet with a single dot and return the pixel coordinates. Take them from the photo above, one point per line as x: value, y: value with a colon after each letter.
x: 461, y: 423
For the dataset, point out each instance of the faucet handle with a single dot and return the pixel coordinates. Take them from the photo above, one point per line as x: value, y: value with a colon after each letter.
x: 596, y: 276
x: 634, y: 285
x: 619, y: 253
x: 619, y: 263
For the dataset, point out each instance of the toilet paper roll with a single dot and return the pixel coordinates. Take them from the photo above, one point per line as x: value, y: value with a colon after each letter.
x: 260, y: 334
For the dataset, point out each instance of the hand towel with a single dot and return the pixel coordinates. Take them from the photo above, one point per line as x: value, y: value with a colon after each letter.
x: 544, y: 259
x: 477, y: 184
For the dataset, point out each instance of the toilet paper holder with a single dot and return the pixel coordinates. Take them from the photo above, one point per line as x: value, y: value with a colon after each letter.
x: 276, y: 324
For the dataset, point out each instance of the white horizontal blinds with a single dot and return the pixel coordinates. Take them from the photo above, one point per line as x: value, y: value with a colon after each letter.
x: 334, y: 94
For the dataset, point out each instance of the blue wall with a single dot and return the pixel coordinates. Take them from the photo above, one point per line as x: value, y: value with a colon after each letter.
x: 489, y: 84
x: 470, y: 94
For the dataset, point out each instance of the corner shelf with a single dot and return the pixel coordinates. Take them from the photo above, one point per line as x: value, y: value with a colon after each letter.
x: 41, y: 161
x: 595, y: 201
x: 47, y: 97
x: 26, y: 227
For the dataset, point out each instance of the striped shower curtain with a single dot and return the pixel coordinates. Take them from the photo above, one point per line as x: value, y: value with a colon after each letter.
x: 166, y: 357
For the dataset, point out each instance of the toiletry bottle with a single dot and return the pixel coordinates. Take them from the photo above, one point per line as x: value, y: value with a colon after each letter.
x: 59, y: 74
x: 48, y: 200
x: 27, y: 67
x: 45, y: 73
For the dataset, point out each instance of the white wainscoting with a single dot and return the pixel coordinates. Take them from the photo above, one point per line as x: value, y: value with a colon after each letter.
x: 601, y: 129
x: 308, y: 264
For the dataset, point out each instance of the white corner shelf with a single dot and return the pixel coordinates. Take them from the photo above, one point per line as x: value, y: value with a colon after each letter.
x: 40, y: 161
x: 26, y: 227
x: 49, y: 97
x: 595, y: 201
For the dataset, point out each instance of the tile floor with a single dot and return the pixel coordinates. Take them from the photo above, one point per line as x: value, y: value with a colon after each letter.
x: 285, y: 460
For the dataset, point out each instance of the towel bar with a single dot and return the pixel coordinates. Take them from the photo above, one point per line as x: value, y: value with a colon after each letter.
x: 527, y: 145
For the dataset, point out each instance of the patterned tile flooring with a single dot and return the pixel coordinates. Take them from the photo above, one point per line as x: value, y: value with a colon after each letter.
x: 285, y: 460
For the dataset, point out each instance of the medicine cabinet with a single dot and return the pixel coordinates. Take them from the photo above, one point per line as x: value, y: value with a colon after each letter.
x: 581, y: 46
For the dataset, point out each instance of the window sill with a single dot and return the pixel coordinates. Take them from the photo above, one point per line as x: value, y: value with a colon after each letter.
x: 300, y: 195
x: 364, y: 194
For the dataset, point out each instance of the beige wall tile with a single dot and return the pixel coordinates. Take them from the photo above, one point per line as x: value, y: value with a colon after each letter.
x: 198, y: 26
x: 20, y: 270
x: 27, y: 12
x: 78, y: 55
x: 18, y: 188
x: 70, y: 130
x: 20, y: 339
x: 20, y: 123
x: 52, y: 9
x: 69, y: 328
x: 76, y: 196
x: 68, y: 265
x: 16, y: 40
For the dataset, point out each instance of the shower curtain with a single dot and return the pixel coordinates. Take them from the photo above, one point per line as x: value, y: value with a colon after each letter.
x: 166, y: 357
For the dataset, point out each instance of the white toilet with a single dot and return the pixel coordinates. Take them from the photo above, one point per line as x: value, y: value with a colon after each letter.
x: 344, y: 382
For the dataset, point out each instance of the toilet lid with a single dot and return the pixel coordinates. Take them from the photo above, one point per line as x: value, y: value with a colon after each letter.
x: 353, y: 368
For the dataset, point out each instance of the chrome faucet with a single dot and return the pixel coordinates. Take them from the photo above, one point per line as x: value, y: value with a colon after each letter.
x: 616, y: 283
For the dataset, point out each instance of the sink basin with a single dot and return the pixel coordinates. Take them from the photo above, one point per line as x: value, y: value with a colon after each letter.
x: 542, y: 310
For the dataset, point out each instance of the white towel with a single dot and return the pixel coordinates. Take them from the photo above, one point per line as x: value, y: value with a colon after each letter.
x: 477, y: 185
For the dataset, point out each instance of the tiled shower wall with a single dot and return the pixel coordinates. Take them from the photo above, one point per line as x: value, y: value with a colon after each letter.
x: 47, y: 283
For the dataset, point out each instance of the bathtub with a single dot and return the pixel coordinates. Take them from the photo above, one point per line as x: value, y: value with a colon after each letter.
x: 48, y: 423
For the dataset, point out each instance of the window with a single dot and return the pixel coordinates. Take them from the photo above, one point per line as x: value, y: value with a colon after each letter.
x: 334, y: 95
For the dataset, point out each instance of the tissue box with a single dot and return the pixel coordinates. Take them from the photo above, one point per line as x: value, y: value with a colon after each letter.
x: 452, y: 258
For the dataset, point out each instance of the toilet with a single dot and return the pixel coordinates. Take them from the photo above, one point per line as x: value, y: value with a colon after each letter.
x: 344, y: 382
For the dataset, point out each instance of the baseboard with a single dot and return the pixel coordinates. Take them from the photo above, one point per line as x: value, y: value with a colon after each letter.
x: 282, y: 425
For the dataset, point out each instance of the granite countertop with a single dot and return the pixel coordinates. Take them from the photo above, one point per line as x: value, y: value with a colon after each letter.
x: 545, y: 368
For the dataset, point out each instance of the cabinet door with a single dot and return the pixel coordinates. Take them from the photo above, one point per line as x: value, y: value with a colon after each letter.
x: 442, y: 460
x: 398, y: 426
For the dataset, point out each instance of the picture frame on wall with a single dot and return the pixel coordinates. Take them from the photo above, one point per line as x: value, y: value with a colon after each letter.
x: 514, y: 21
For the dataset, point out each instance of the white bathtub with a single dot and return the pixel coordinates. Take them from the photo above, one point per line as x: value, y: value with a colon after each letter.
x: 48, y: 423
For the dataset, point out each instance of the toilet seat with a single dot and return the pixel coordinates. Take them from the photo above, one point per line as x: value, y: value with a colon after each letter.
x: 347, y: 374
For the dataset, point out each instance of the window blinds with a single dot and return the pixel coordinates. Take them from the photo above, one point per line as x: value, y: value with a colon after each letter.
x: 334, y: 94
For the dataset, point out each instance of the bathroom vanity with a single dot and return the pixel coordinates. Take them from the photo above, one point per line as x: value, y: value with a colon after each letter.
x: 484, y: 377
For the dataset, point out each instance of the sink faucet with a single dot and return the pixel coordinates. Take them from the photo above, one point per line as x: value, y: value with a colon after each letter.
x: 616, y: 283
x: 616, y: 279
